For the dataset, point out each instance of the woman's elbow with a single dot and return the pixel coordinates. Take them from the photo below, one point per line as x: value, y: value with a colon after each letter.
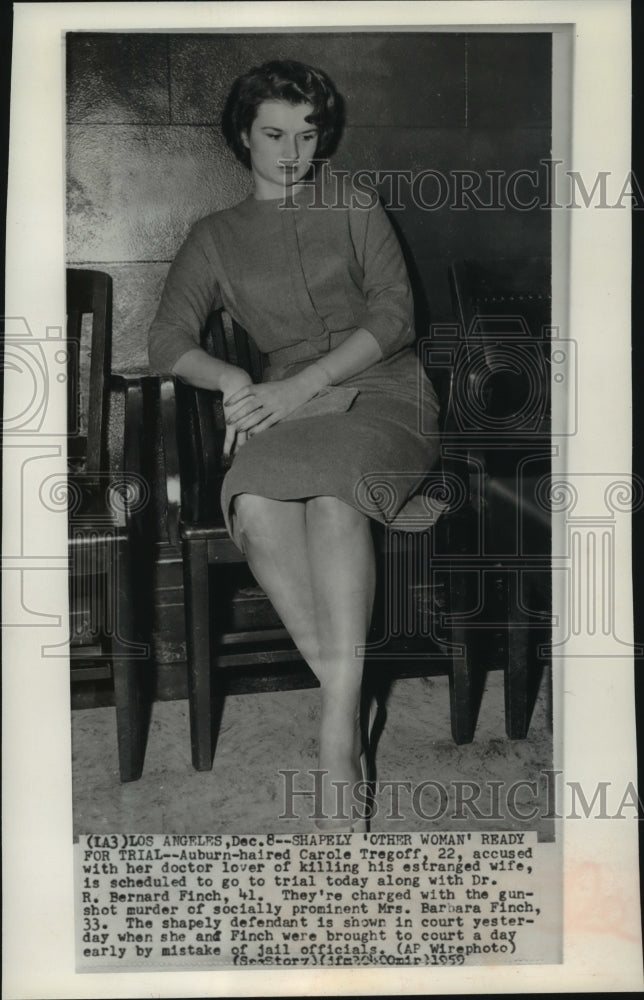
x: 403, y: 336
x: 407, y: 334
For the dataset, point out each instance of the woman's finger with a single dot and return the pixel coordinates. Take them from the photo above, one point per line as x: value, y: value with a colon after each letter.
x: 264, y: 425
x: 243, y: 393
x: 229, y: 440
x: 252, y: 419
x: 232, y: 407
x: 242, y: 438
x: 242, y: 409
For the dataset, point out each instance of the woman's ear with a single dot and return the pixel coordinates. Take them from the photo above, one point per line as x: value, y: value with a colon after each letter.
x: 244, y: 138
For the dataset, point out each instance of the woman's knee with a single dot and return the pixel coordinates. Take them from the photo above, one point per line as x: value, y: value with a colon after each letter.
x: 249, y: 507
x: 336, y: 512
x: 251, y: 516
x: 259, y: 518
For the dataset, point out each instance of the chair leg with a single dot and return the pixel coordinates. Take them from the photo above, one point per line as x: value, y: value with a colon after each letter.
x: 130, y: 724
x: 461, y: 674
x: 195, y: 572
x: 516, y: 652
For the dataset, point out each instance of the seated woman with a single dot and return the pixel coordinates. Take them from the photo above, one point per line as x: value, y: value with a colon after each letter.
x: 323, y: 291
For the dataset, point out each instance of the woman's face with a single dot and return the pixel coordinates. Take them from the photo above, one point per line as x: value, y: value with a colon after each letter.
x: 281, y: 144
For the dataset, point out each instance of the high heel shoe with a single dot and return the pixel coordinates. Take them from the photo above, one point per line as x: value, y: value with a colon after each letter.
x: 360, y: 824
x: 368, y: 728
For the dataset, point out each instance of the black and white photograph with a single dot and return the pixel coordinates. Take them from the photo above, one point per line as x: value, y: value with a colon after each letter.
x: 358, y: 492
x: 320, y: 554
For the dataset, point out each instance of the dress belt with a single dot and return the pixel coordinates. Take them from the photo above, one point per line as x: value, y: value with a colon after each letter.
x: 308, y: 350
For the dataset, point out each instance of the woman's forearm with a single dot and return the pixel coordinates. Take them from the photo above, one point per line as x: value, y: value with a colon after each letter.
x: 200, y: 369
x: 359, y: 351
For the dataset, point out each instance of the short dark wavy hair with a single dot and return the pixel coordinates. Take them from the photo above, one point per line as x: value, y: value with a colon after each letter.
x: 283, y: 80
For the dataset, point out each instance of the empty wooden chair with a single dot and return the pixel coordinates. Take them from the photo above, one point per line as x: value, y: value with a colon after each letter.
x: 504, y: 308
x: 108, y: 496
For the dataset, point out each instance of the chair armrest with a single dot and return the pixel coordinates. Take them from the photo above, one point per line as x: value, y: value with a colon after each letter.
x: 133, y: 428
x: 129, y: 490
x: 172, y: 496
x: 193, y: 429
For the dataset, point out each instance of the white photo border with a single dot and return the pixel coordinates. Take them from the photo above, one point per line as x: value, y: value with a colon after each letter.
x: 593, y: 696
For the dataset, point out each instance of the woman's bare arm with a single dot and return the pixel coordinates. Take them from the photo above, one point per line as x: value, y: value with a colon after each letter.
x: 200, y: 369
x: 359, y: 351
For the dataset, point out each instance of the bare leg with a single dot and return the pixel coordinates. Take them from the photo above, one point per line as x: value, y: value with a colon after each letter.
x: 315, y: 561
x: 272, y: 536
x: 342, y: 568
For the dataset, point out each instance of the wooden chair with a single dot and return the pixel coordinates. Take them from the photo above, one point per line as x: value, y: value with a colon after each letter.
x: 503, y: 307
x: 193, y: 429
x: 107, y: 498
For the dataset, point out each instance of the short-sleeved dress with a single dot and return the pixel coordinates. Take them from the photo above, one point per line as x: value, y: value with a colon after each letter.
x: 301, y: 277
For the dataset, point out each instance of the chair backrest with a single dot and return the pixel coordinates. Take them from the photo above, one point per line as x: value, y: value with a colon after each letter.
x: 488, y: 289
x: 225, y: 339
x: 89, y: 295
x: 503, y: 399
x: 504, y: 308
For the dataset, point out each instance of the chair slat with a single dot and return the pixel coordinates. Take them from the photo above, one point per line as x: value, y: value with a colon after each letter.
x: 89, y: 293
x: 214, y: 337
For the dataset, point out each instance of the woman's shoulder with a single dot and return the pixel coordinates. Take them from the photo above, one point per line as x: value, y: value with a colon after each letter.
x: 363, y: 208
x: 222, y: 226
x: 221, y: 217
x: 340, y: 200
x: 348, y: 197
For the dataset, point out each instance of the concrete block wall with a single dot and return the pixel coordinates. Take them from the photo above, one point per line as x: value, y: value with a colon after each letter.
x: 146, y: 158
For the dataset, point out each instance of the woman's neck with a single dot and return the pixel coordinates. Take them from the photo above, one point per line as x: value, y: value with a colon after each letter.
x: 274, y: 192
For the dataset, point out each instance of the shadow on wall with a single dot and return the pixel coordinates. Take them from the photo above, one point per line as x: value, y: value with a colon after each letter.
x: 146, y: 158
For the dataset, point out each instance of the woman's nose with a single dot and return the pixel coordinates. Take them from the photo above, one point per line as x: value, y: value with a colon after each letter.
x: 289, y: 148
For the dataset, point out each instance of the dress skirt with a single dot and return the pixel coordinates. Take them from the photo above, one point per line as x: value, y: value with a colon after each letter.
x: 373, y: 457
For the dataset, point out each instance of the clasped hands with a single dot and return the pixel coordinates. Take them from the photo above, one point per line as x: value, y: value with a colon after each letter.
x: 250, y: 408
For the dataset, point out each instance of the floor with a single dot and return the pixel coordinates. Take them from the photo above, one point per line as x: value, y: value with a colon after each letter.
x: 263, y: 734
